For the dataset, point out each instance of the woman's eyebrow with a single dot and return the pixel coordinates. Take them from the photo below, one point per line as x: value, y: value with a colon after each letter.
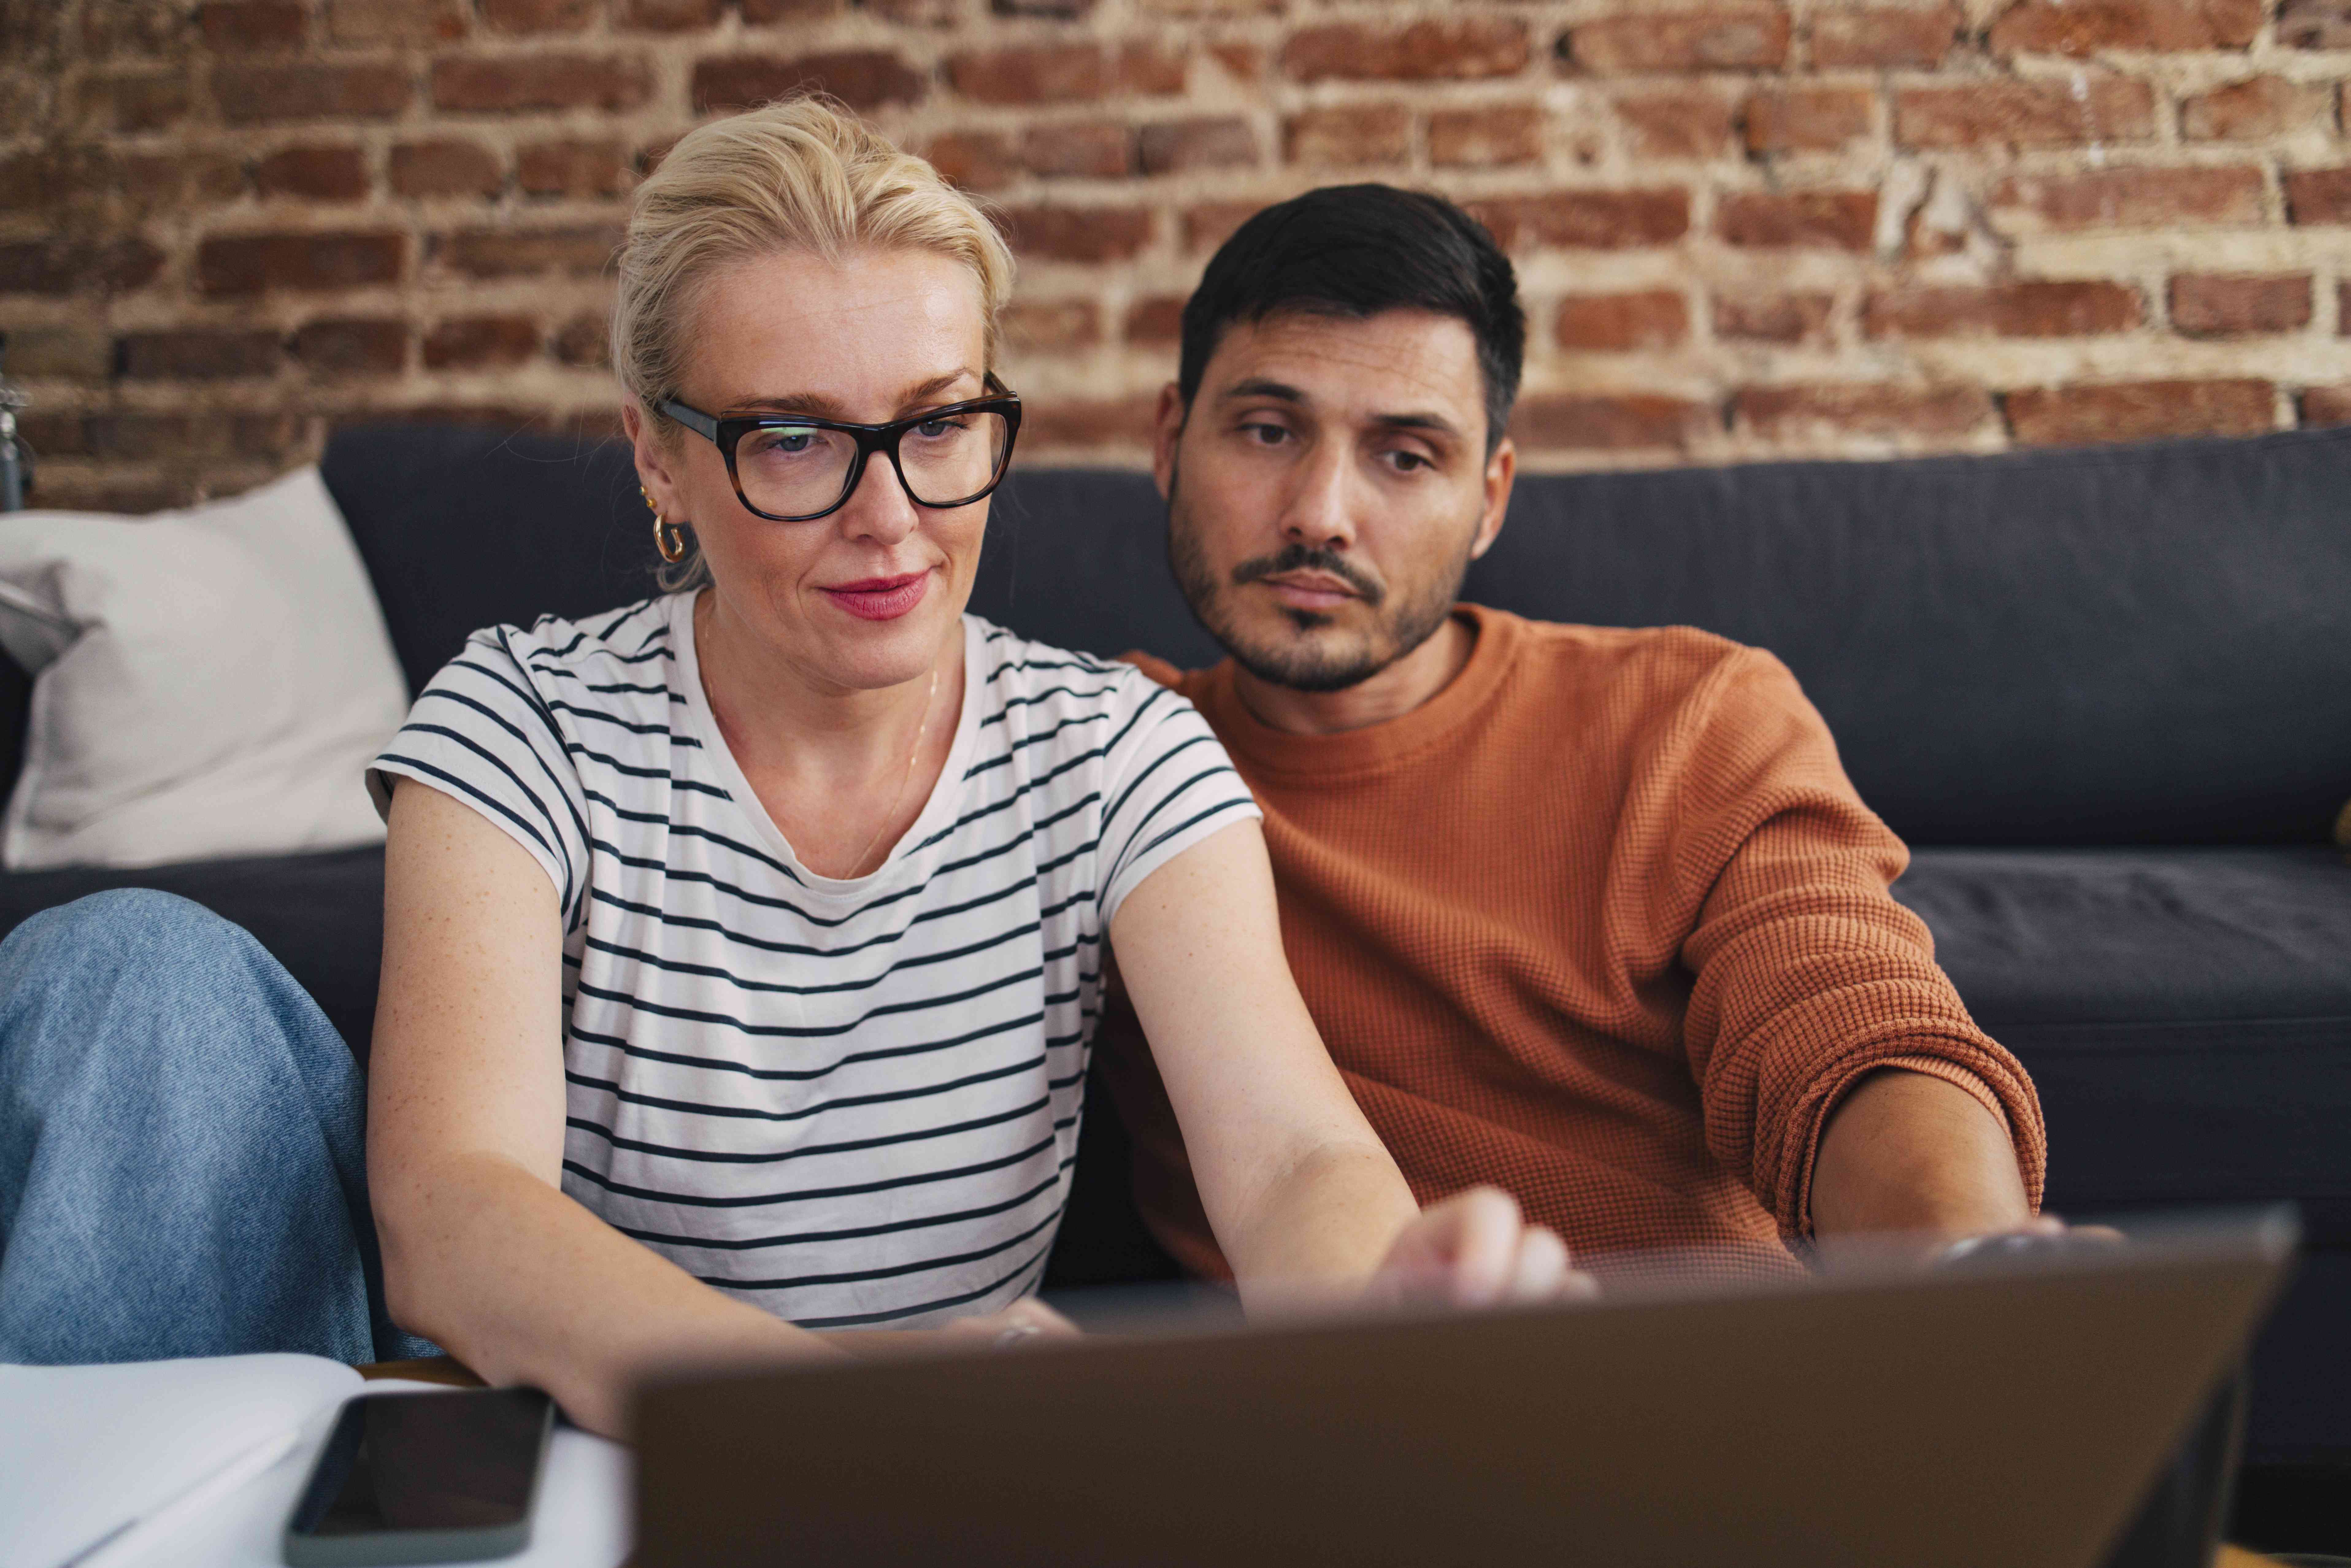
x: 821, y: 405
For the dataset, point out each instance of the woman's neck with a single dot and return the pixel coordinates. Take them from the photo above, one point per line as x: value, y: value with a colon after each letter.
x: 843, y: 771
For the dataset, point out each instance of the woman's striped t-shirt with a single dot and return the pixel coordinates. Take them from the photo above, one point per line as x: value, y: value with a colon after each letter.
x: 850, y: 1103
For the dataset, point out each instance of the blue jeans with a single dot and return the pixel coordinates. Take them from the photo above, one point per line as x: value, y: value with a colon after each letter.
x: 181, y: 1165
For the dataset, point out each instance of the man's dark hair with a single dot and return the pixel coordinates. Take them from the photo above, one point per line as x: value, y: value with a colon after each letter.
x: 1356, y: 251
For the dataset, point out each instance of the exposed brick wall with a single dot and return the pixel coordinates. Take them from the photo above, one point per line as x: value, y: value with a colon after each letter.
x: 1745, y: 228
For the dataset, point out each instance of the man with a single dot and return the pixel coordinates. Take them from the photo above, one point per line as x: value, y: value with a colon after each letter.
x: 1590, y: 914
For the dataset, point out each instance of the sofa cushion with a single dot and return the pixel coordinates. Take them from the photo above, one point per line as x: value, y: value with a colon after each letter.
x: 2185, y: 1014
x: 321, y: 915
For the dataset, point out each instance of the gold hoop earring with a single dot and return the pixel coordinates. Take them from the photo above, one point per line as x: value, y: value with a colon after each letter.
x: 668, y: 539
x: 667, y: 536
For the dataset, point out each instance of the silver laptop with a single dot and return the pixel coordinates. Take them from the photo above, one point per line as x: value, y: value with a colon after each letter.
x: 2007, y: 1415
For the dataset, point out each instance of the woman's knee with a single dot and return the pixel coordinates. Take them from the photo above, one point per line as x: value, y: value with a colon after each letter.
x: 130, y: 928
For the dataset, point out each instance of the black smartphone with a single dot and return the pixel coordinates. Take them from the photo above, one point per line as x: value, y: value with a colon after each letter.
x: 423, y: 1478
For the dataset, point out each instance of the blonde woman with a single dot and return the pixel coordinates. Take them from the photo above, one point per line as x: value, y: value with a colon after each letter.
x: 742, y: 945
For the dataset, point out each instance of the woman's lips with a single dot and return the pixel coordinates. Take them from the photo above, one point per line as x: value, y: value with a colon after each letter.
x: 881, y: 598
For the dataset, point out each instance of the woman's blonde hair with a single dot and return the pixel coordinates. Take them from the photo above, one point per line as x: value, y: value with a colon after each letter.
x: 800, y: 174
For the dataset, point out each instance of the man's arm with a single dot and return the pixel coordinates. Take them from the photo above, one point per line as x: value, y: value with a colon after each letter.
x: 1903, y: 1151
x: 1842, y: 1076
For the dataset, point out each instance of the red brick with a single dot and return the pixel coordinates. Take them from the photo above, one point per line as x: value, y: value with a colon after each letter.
x: 234, y: 25
x: 2255, y: 110
x: 1079, y: 234
x: 862, y: 78
x: 143, y: 100
x: 1210, y: 223
x: 151, y: 435
x: 2318, y: 195
x: 320, y: 173
x: 196, y: 354
x: 270, y: 94
x: 2071, y: 27
x: 2134, y: 198
x: 2323, y: 406
x: 1587, y: 220
x: 2314, y: 25
x: 1748, y: 38
x: 1458, y: 48
x: 445, y: 169
x: 1623, y: 323
x: 538, y: 16
x: 1677, y: 122
x: 504, y: 84
x: 1837, y: 220
x: 758, y: 12
x: 1859, y: 408
x: 340, y: 346
x: 665, y: 15
x: 979, y: 159
x: 1487, y: 137
x: 585, y: 340
x: 59, y: 353
x: 1157, y: 318
x: 2040, y: 308
x: 582, y: 250
x: 1900, y: 36
x: 1151, y: 70
x: 1204, y: 141
x: 1053, y: 326
x: 2013, y: 113
x: 479, y: 343
x: 1061, y: 10
x: 1048, y: 74
x: 2141, y: 411
x: 1806, y: 119
x: 1773, y: 317
x: 1096, y: 149
x: 266, y: 435
x: 396, y: 21
x: 55, y: 434
x: 1348, y: 134
x: 63, y: 267
x: 1621, y: 423
x: 2207, y: 305
x: 1242, y: 62
x: 172, y: 180
x: 1110, y: 422
x: 572, y: 169
x: 249, y: 264
x: 30, y: 182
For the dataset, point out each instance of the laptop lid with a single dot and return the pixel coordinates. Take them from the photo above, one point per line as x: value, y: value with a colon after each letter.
x: 2010, y: 1412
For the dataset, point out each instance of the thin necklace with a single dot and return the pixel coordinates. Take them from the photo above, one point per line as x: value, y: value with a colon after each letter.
x: 905, y: 779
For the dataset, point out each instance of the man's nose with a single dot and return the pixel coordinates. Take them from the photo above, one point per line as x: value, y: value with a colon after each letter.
x: 1321, y: 512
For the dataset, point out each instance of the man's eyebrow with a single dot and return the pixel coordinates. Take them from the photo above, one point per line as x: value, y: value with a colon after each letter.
x: 1432, y: 422
x: 1259, y: 386
x: 820, y: 405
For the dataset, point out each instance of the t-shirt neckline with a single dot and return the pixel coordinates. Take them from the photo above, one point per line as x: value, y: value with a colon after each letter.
x: 938, y: 811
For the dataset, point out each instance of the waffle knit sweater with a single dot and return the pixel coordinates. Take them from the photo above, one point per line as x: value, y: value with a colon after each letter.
x: 1602, y: 922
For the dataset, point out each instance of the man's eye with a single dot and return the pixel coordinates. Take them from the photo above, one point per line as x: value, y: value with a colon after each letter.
x: 1405, y: 462
x: 1267, y: 434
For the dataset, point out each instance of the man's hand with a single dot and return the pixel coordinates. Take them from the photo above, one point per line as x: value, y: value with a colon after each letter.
x: 1474, y: 1250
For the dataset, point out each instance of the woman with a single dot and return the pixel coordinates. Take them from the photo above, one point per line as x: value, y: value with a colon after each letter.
x: 742, y: 945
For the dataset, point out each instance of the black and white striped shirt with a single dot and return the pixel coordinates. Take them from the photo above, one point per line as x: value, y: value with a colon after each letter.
x: 850, y: 1103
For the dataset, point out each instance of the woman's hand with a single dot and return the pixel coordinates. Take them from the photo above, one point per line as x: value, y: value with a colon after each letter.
x: 1474, y: 1250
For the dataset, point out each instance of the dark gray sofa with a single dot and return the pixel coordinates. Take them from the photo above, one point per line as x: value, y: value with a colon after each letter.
x: 2106, y: 694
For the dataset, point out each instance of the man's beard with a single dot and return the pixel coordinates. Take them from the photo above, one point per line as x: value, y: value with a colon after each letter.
x: 1309, y: 663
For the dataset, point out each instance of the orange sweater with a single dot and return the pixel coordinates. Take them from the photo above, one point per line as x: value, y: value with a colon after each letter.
x: 1603, y: 923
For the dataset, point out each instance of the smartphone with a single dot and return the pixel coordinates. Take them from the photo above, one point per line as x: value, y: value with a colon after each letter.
x: 423, y: 1478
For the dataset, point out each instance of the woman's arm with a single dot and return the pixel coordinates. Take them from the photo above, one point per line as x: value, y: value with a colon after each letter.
x: 1305, y: 1200
x: 482, y: 1252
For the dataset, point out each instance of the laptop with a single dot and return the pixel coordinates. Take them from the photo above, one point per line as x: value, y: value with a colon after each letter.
x: 2011, y: 1412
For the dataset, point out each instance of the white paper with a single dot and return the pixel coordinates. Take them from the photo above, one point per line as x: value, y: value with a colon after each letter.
x: 84, y: 1448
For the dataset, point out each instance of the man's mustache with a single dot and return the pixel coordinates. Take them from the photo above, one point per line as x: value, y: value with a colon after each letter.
x: 1311, y: 557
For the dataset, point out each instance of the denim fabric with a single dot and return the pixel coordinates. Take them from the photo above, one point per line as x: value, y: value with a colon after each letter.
x: 180, y: 1166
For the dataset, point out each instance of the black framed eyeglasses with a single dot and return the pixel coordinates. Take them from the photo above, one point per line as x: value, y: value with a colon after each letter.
x: 794, y: 468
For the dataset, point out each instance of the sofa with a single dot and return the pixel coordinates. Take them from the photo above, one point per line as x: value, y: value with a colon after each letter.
x: 2105, y: 695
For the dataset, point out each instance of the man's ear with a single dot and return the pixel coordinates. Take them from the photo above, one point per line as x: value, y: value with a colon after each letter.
x: 1501, y: 472
x: 653, y: 464
x: 1167, y: 429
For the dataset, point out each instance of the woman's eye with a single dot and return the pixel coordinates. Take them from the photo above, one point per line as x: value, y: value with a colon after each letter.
x: 785, y: 442
x: 932, y: 429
